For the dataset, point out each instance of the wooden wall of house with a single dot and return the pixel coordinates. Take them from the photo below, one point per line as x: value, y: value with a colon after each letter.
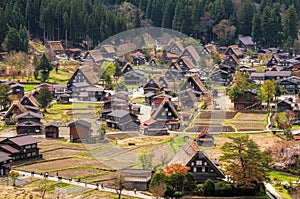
x: 79, y: 132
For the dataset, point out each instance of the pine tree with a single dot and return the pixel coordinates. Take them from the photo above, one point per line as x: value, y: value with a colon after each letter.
x: 256, y: 29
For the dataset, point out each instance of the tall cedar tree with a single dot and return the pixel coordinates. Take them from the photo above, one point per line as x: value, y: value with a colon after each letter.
x: 44, y: 97
x: 290, y: 27
x: 45, y: 67
x: 244, y: 162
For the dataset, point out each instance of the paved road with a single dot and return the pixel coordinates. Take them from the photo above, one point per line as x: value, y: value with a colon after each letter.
x: 87, y: 185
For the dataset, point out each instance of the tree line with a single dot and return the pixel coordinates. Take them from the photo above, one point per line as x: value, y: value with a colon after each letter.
x: 74, y: 20
x: 270, y: 22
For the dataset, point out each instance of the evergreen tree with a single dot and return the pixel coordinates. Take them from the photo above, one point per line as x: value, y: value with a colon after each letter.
x: 256, y: 29
x: 3, y: 25
x: 244, y: 17
x: 290, y: 27
x: 266, y: 27
x: 45, y: 67
x: 276, y: 37
x: 12, y: 41
x: 44, y: 97
x: 179, y: 16
x: 168, y: 15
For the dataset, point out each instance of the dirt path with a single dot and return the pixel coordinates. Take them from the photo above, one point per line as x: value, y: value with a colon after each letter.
x: 138, y: 194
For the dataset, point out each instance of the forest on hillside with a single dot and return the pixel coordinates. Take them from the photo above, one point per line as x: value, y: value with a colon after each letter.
x: 271, y: 23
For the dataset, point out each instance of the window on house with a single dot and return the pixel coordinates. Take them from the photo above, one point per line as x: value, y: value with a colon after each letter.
x: 169, y: 113
x: 195, y: 169
x: 163, y: 113
x: 203, y: 169
x: 192, y: 163
x: 205, y: 163
x: 199, y: 162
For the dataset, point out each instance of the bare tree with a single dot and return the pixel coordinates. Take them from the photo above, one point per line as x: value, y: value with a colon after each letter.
x: 118, y: 183
x: 159, y: 189
x: 42, y: 187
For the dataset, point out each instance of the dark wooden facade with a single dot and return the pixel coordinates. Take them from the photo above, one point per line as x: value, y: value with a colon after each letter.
x: 80, y: 130
x: 201, y: 166
x: 20, y: 147
x: 52, y: 131
x: 247, y: 101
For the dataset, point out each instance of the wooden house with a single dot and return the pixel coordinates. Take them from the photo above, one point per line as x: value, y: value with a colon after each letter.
x: 137, y: 179
x: 205, y: 139
x: 52, y: 130
x: 291, y: 84
x: 175, y: 48
x: 29, y: 123
x: 154, y: 127
x: 187, y: 99
x: 64, y: 99
x: 201, y: 166
x: 84, y: 74
x: 210, y: 48
x: 30, y: 100
x: 152, y: 86
x: 174, y: 72
x: 108, y: 51
x: 94, y: 56
x: 277, y: 75
x: 192, y: 54
x: 193, y: 82
x: 5, y: 160
x: 246, y: 43
x: 122, y: 120
x: 232, y: 61
x: 17, y: 90
x: 165, y: 84
x: 59, y: 89
x: 73, y: 52
x: 220, y: 77
x: 274, y: 60
x: 166, y: 112
x: 80, y: 131
x: 153, y: 62
x: 234, y: 50
x: 20, y: 147
x: 247, y: 101
x: 126, y: 68
x: 134, y: 77
x: 285, y: 105
x: 15, y: 109
x: 56, y: 47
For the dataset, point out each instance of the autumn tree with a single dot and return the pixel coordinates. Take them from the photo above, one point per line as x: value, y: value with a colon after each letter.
x: 44, y: 97
x: 244, y: 162
x: 225, y: 32
x: 175, y: 169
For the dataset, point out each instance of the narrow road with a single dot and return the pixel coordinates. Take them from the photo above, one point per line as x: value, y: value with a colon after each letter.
x: 138, y: 194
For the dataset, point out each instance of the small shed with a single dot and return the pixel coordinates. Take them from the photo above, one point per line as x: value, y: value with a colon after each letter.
x: 52, y: 130
x: 138, y: 179
x: 80, y: 130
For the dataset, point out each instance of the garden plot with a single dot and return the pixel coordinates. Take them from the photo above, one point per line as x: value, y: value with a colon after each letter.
x: 61, y: 164
x: 61, y: 152
x: 248, y: 122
